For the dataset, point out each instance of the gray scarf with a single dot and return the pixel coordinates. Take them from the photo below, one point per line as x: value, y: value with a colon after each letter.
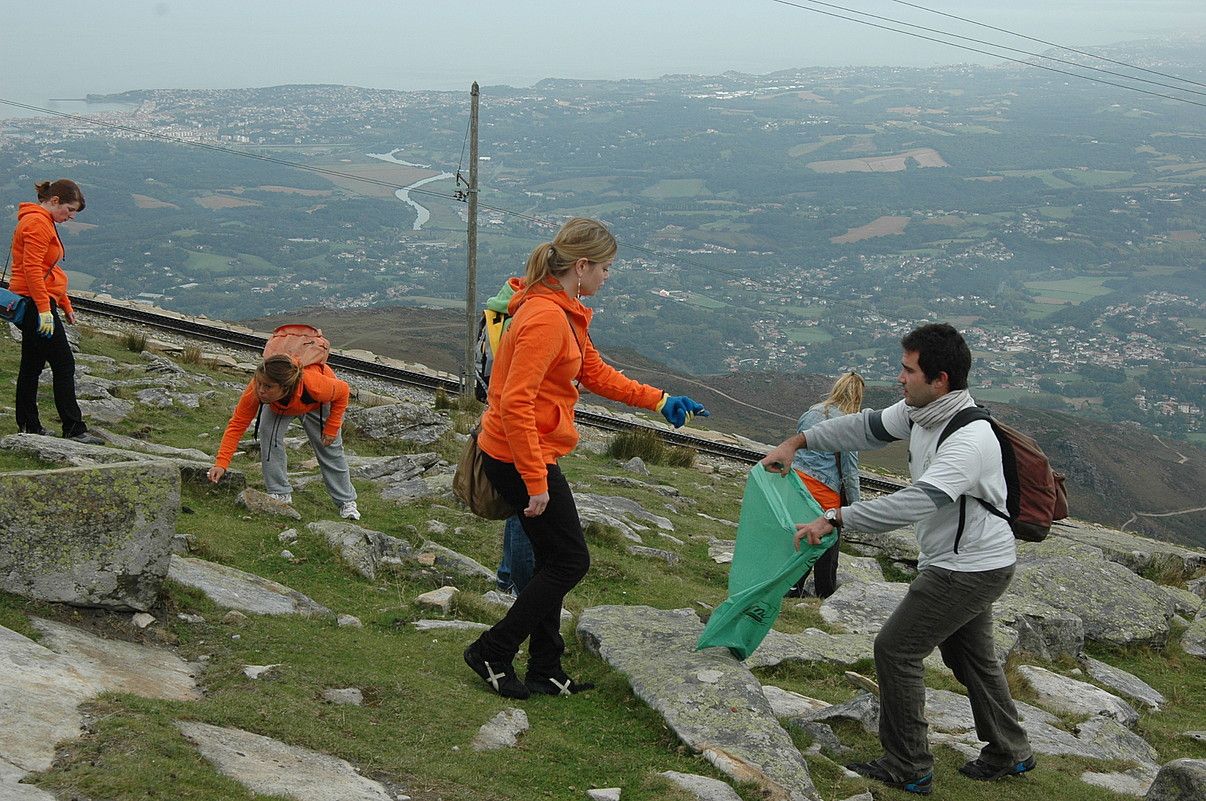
x: 939, y: 411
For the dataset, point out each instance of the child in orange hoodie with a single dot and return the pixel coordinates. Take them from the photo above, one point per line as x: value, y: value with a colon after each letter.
x: 279, y: 391
x: 528, y: 425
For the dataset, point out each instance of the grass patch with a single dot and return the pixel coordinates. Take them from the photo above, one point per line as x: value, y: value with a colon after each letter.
x: 649, y: 447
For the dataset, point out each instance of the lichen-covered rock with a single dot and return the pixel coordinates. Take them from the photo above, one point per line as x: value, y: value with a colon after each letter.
x: 1193, y: 641
x: 257, y: 502
x: 711, y: 701
x: 1179, y: 780
x: 235, y: 589
x: 623, y: 513
x: 898, y: 544
x: 1037, y: 627
x: 1123, y: 682
x: 363, y: 549
x: 850, y: 568
x: 405, y: 422
x: 89, y: 536
x: 448, y: 559
x: 811, y: 645
x: 1136, y: 553
x: 1115, y: 605
x: 1069, y: 696
x: 1118, y: 741
x: 704, y: 788
x: 863, y: 607
x: 669, y: 557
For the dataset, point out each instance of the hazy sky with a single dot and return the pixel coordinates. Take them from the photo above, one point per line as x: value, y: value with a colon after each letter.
x: 68, y: 48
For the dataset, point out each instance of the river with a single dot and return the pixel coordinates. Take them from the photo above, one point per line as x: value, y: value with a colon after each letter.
x: 421, y: 212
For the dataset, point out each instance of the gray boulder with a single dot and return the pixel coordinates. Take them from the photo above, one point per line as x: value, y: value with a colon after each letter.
x: 669, y: 557
x: 1115, y: 605
x: 1118, y: 741
x: 432, y: 553
x: 363, y: 549
x: 863, y: 607
x: 850, y: 568
x: 403, y: 422
x: 235, y: 589
x: 704, y: 788
x: 711, y: 701
x: 501, y: 731
x: 1193, y: 641
x: 1123, y: 682
x: 88, y: 536
x: 1069, y: 696
x: 811, y: 645
x: 1036, y: 627
x: 1136, y: 553
x: 898, y: 545
x: 1179, y: 780
x: 258, y: 502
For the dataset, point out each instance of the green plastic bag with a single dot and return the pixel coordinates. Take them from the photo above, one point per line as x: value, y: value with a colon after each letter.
x: 765, y: 562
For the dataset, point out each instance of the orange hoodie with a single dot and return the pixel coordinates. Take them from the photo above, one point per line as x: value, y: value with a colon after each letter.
x: 529, y: 419
x: 37, y: 250
x: 319, y: 385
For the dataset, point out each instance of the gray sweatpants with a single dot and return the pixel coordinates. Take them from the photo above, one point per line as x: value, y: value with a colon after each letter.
x: 275, y: 462
x: 953, y: 612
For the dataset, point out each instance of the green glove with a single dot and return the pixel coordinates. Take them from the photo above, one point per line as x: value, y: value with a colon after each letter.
x: 46, y: 324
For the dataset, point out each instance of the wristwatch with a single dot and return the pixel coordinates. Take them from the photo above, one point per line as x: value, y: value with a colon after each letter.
x: 832, y: 516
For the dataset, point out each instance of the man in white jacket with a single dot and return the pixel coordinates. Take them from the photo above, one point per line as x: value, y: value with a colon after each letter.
x: 949, y: 604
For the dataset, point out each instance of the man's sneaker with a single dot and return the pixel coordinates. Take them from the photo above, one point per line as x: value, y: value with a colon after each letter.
x: 500, y: 676
x: 560, y: 684
x: 87, y: 439
x: 283, y: 497
x: 983, y: 771
x: 349, y: 511
x: 922, y: 785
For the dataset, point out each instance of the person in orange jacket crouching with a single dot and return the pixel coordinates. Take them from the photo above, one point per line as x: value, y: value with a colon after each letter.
x: 281, y: 390
x: 528, y: 425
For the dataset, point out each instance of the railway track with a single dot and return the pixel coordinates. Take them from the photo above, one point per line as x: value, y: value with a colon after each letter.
x: 222, y: 334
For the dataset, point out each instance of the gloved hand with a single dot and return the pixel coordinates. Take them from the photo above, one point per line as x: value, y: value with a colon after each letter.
x: 679, y: 409
x: 46, y: 324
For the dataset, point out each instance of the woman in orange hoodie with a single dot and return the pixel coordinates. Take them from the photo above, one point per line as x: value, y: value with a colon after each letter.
x: 36, y: 253
x: 529, y: 424
x: 280, y: 390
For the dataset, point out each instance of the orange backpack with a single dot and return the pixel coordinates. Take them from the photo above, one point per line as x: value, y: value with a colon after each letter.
x: 304, y: 343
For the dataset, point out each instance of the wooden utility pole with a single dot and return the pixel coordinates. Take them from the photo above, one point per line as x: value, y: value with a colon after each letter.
x: 471, y: 312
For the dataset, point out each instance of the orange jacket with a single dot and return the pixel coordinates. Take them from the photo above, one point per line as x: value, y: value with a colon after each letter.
x: 529, y: 419
x: 319, y: 385
x: 37, y: 250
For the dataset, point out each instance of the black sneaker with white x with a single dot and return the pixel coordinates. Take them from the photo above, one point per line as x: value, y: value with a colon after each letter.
x: 500, y: 676
x: 559, y: 684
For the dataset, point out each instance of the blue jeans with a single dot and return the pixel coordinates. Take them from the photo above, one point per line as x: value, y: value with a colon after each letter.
x: 518, y: 562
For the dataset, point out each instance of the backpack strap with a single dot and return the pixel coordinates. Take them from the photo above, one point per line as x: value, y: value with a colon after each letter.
x: 962, y: 418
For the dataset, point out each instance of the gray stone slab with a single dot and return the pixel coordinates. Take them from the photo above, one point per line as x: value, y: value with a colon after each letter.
x: 362, y: 549
x: 1136, y: 553
x: 850, y: 568
x: 1127, y: 684
x: 271, y: 767
x: 404, y: 422
x: 501, y: 731
x: 1069, y: 696
x: 704, y: 788
x: 811, y: 645
x: 1179, y: 780
x: 89, y: 536
x: 235, y: 589
x: 1193, y: 641
x: 898, y: 544
x: 11, y: 788
x: 863, y: 607
x: 711, y: 701
x: 448, y: 559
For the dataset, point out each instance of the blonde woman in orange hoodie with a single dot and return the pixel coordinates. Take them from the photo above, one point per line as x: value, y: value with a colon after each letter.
x: 529, y: 424
x: 37, y: 274
x: 279, y: 391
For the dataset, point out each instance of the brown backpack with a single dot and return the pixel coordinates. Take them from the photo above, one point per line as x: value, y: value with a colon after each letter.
x: 1036, y: 496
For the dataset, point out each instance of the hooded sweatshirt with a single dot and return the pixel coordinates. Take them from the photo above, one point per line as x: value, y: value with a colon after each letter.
x: 529, y: 419
x: 37, y: 251
x: 318, y: 386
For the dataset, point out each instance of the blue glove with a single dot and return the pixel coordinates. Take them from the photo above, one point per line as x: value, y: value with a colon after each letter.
x: 679, y: 409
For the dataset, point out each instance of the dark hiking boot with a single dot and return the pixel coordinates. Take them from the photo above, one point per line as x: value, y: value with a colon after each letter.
x: 560, y: 684
x: 922, y: 785
x: 983, y: 771
x: 500, y: 676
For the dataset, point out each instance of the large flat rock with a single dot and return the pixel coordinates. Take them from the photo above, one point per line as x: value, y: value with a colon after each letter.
x: 235, y: 589
x: 862, y: 607
x: 1136, y: 553
x: 710, y: 700
x: 271, y: 767
x: 43, y: 684
x: 89, y: 536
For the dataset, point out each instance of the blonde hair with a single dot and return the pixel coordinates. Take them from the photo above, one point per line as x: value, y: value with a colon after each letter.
x: 847, y: 393
x: 281, y: 370
x: 579, y: 238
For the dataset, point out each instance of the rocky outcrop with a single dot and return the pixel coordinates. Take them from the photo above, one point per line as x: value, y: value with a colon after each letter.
x: 405, y: 421
x: 89, y: 536
x: 234, y: 589
x: 624, y: 514
x: 270, y: 767
x: 362, y: 549
x: 1137, y: 554
x: 811, y: 645
x: 862, y: 607
x: 1069, y: 696
x: 711, y: 701
x: 1179, y: 780
x: 43, y: 683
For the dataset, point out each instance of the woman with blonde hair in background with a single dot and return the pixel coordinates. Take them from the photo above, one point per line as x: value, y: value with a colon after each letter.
x: 832, y: 478
x: 529, y: 424
x: 38, y: 275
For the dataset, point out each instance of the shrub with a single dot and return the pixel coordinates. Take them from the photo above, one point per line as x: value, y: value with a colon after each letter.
x: 134, y: 341
x: 191, y: 355
x: 646, y: 444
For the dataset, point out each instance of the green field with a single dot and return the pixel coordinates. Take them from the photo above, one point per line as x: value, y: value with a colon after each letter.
x: 676, y: 187
x: 808, y: 336
x: 807, y: 312
x: 1071, y: 290
x: 1056, y: 212
x: 703, y: 301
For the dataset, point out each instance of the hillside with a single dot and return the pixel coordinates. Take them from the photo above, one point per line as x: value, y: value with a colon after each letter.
x: 1118, y: 475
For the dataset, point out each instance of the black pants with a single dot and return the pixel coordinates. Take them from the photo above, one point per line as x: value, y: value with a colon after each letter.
x: 36, y: 352
x: 562, y: 560
x: 825, y: 570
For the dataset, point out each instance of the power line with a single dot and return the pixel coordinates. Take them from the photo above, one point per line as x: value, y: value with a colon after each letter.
x: 1049, y: 44
x: 1007, y: 47
x: 984, y: 52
